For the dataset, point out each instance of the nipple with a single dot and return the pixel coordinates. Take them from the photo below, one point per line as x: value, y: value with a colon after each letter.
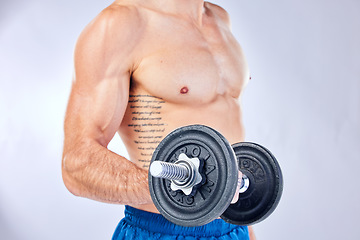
x: 184, y: 90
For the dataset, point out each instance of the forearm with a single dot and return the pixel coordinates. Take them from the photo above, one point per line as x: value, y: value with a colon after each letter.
x: 95, y: 172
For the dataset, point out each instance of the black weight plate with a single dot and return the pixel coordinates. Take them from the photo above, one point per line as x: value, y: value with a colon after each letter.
x: 210, y: 199
x: 265, y: 189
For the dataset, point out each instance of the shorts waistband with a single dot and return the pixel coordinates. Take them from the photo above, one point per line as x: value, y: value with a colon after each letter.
x: 153, y: 222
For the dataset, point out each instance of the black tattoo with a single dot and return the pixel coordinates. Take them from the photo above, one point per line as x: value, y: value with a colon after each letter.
x: 147, y: 123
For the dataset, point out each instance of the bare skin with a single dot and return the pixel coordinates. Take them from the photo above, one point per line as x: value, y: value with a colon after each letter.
x: 144, y: 68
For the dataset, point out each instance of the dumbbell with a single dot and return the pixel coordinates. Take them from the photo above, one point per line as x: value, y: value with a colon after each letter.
x: 193, y: 177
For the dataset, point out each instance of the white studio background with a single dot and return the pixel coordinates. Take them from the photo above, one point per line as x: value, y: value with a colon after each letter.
x: 303, y: 103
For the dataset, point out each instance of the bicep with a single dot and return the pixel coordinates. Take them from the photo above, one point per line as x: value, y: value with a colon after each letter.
x: 95, y: 112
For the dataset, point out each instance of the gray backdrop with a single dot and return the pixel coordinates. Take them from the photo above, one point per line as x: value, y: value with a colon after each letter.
x: 302, y: 103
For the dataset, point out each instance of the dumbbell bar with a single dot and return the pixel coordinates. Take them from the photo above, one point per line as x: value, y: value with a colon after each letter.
x: 185, y: 176
x: 196, y: 178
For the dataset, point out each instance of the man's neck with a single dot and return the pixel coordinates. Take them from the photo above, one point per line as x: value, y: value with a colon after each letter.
x: 193, y: 9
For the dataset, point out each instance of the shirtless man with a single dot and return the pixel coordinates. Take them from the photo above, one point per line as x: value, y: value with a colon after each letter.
x: 144, y: 68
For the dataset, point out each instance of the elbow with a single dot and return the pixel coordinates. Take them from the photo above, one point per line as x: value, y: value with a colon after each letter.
x: 68, y: 174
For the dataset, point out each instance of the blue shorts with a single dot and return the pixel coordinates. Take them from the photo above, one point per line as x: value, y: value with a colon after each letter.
x: 141, y: 225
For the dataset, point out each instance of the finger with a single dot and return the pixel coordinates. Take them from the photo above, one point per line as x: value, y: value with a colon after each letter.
x: 236, y: 196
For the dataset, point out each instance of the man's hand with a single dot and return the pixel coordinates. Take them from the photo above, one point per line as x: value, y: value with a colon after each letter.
x: 236, y: 197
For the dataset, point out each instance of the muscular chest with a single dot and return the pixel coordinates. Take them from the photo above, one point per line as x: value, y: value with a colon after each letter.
x: 207, y: 61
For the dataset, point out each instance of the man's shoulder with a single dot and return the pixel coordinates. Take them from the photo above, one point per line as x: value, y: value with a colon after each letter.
x: 218, y: 11
x: 120, y: 12
x: 118, y: 20
x: 117, y: 27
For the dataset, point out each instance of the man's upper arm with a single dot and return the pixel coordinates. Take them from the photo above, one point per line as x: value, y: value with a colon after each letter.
x: 103, y: 65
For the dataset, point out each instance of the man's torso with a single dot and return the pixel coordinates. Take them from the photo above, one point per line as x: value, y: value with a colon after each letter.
x: 187, y: 73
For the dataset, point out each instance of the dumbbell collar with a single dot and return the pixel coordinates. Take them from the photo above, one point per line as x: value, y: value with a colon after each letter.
x: 184, y: 173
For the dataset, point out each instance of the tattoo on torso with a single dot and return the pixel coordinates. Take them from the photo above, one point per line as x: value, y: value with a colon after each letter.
x: 146, y: 122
